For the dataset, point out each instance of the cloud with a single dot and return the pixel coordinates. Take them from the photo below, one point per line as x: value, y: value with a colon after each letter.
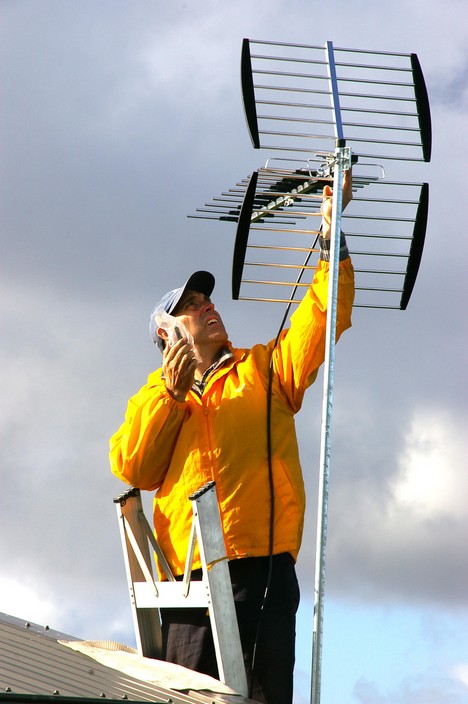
x: 20, y: 598
x: 426, y: 688
x: 460, y: 672
x: 398, y: 535
x: 431, y: 482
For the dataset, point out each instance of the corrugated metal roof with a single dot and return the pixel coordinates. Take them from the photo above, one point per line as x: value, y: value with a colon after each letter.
x: 34, y: 662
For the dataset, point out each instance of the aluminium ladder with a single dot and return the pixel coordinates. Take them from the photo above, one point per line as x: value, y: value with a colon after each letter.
x: 213, y: 591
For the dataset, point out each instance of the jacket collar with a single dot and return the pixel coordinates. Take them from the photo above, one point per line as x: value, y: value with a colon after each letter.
x: 225, y: 356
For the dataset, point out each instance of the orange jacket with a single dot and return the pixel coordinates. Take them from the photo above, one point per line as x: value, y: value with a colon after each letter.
x: 176, y: 448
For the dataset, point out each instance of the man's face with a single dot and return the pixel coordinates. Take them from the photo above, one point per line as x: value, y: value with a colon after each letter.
x: 198, y: 314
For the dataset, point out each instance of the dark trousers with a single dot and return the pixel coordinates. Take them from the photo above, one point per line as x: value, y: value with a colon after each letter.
x: 188, y: 641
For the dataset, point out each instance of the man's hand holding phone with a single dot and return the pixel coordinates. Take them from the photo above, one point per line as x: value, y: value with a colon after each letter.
x: 179, y: 365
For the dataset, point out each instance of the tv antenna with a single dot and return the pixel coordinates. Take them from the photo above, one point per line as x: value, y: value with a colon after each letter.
x: 324, y: 110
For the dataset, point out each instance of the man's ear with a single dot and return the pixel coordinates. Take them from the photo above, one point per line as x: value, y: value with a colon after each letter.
x: 163, y: 333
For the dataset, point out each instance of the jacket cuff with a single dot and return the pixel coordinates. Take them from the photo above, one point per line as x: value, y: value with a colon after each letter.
x: 325, y: 248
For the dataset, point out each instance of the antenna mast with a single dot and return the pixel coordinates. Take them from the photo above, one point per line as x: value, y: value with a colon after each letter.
x: 301, y: 97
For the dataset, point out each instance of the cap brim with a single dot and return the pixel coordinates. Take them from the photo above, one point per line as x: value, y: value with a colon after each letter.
x: 200, y: 281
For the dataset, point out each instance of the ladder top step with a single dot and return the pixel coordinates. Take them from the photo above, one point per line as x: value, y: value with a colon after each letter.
x: 130, y: 493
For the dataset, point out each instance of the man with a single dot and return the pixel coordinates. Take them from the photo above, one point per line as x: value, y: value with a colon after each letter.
x: 203, y: 417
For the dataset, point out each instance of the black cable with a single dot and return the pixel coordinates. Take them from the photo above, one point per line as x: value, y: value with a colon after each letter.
x: 270, y: 467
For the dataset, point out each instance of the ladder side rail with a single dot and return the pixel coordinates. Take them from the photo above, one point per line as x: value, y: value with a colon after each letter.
x: 221, y: 602
x: 146, y: 621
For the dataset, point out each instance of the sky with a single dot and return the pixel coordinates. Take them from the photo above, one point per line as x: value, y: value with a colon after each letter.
x: 118, y: 119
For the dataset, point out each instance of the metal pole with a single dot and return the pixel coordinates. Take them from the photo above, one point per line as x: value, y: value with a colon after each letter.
x: 341, y: 162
